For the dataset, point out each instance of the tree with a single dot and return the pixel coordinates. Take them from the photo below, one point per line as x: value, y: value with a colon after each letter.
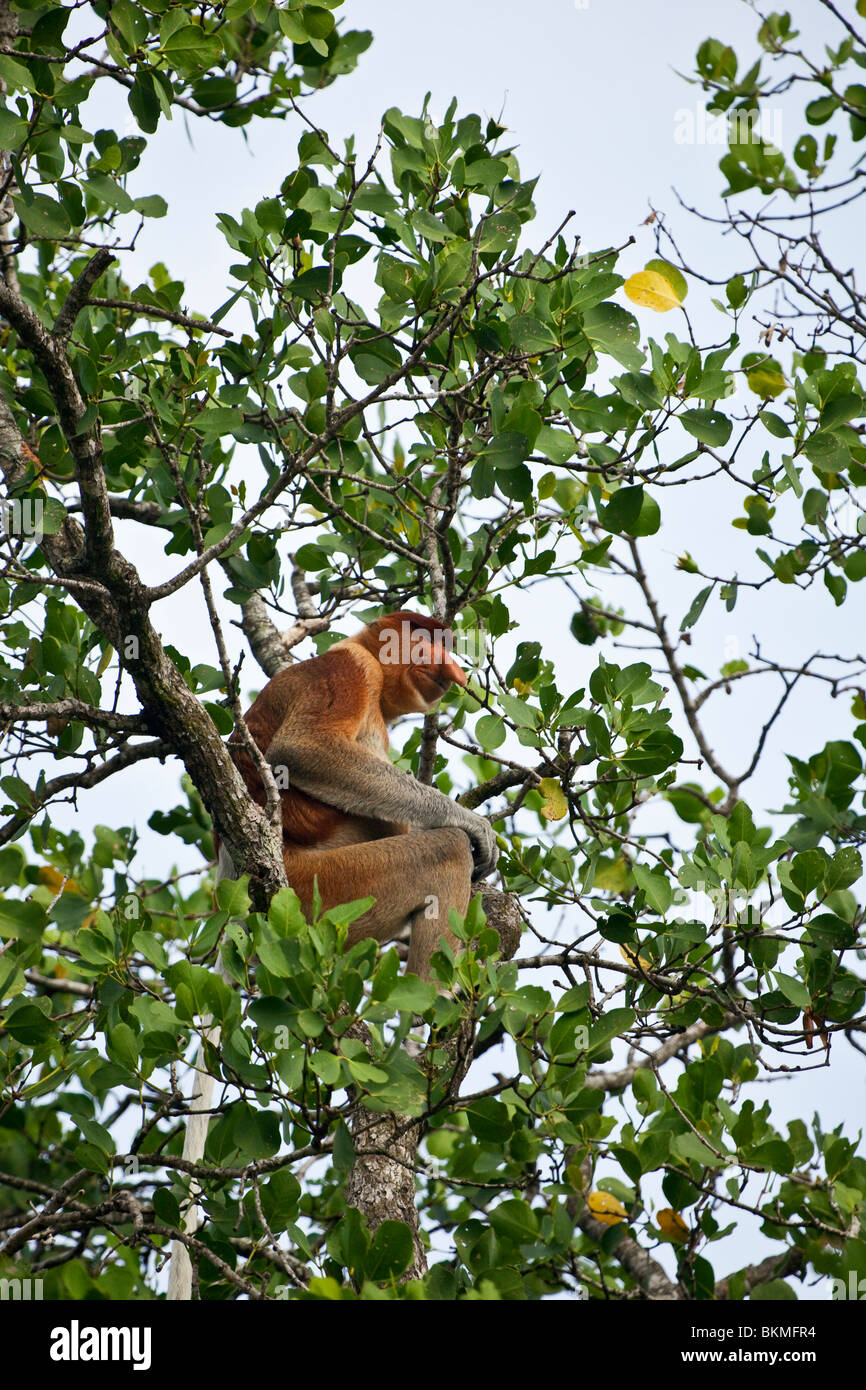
x: 407, y: 397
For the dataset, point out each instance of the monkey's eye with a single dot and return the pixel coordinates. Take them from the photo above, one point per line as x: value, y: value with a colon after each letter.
x: 432, y: 652
x: 422, y: 649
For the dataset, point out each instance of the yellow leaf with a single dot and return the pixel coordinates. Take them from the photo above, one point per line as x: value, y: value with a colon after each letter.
x: 606, y: 1208
x: 674, y: 277
x: 53, y: 879
x: 766, y: 383
x: 612, y: 876
x: 652, y: 290
x: 672, y: 1225
x: 764, y: 375
x: 555, y: 805
x: 522, y: 687
x: 633, y: 958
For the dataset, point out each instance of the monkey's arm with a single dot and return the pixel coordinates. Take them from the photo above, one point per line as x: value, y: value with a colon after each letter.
x: 344, y: 774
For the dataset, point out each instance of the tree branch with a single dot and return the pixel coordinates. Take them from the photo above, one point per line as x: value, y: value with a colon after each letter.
x: 77, y: 296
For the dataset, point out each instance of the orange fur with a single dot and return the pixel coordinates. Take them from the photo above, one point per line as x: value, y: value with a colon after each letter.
x: 334, y: 710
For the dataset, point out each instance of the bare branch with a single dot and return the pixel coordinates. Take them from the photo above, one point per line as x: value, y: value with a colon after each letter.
x: 77, y: 296
x: 153, y: 311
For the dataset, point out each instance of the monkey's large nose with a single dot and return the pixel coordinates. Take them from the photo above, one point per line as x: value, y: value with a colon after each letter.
x: 452, y: 669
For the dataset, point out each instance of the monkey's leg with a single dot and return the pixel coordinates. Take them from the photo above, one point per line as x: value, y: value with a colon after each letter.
x: 414, y: 878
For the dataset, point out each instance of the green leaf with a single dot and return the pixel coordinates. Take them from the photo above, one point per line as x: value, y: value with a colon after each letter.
x: 344, y: 1148
x: 327, y: 1067
x: 775, y: 1154
x: 13, y: 130
x: 97, y: 1134
x: 793, y: 989
x: 656, y: 885
x: 386, y: 976
x: 531, y: 336
x: 697, y: 608
x: 106, y: 191
x: 130, y: 21
x: 42, y: 216
x: 292, y: 25
x: 806, y: 152
x: 489, y: 1120
x: 312, y: 284
x: 280, y: 1197
x: 775, y: 424
x: 654, y: 755
x: 556, y: 445
x: 490, y: 731
x: 27, y: 1024
x: 154, y: 205
x: 631, y: 511
x: 611, y: 1025
x: 736, y: 292
x: 54, y: 515
x: 808, y: 869
x: 311, y: 1024
x: 23, y: 921
x: 741, y: 825
x: 91, y: 1158
x: 166, y: 1208
x: 506, y: 450
x: 689, y: 1147
x: 820, y: 111
x: 123, y: 1046
x: 412, y: 995
x: 775, y: 1291
x: 613, y: 330
x: 429, y: 226
x: 318, y: 21
x: 232, y: 896
x: 190, y: 48
x: 708, y: 426
x: 12, y: 980
x: 485, y: 173
x: 366, y: 1074
x: 151, y: 948
x: 515, y: 1220
x: 501, y: 229
x: 764, y: 375
x: 284, y: 912
x: 390, y: 1253
x: 144, y: 103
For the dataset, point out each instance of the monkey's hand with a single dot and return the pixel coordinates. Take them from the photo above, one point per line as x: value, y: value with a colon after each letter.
x: 485, y: 850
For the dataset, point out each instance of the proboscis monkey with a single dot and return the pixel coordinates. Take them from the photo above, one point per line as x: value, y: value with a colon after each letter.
x: 347, y: 811
x: 352, y: 822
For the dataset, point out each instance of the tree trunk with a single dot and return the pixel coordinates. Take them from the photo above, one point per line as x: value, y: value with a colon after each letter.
x: 382, y: 1181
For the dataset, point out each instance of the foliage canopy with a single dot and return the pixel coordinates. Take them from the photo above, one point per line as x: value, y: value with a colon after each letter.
x: 418, y: 398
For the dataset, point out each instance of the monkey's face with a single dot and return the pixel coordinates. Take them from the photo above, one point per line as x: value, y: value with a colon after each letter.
x: 433, y: 669
x: 416, y: 657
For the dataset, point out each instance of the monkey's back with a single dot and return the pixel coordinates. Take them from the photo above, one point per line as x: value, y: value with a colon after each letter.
x: 325, y: 694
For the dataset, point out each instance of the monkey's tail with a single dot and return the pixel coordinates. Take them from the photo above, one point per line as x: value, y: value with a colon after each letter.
x: 180, y: 1270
